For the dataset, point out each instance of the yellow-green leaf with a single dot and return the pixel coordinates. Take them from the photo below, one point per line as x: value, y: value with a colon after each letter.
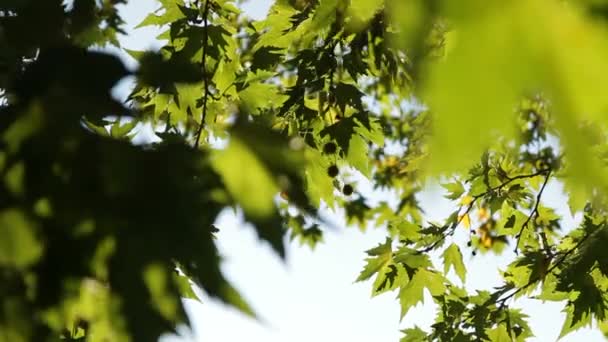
x: 247, y: 178
x: 19, y: 246
x: 452, y: 258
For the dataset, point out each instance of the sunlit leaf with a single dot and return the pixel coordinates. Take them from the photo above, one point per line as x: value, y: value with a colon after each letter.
x: 255, y: 191
x: 452, y: 258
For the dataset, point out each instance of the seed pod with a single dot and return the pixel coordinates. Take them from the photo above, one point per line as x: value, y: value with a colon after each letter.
x: 347, y: 190
x: 330, y: 148
x: 333, y: 171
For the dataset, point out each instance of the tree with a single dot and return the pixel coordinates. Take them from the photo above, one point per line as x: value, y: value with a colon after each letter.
x: 99, y: 237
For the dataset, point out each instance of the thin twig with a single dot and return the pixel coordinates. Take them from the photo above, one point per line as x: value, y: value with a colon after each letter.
x: 534, y: 212
x: 550, y: 269
x: 454, y: 224
x: 511, y: 179
x: 205, y: 76
x: 477, y: 197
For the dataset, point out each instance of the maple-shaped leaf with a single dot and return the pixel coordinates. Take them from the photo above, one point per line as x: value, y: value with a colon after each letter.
x: 455, y: 190
x: 452, y: 258
x: 258, y: 96
x: 412, y: 260
x: 171, y: 11
x: 274, y: 27
x: 414, y: 334
x: 341, y: 132
x: 570, y: 324
x: 348, y: 95
x: 389, y: 275
x: 358, y: 155
x: 413, y: 292
x: 499, y: 334
x: 266, y: 58
x: 590, y: 301
x: 361, y: 123
x: 380, y: 257
x: 531, y: 266
x: 389, y: 278
x: 519, y: 325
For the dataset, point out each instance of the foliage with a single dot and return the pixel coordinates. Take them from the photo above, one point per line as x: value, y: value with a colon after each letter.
x: 101, y: 237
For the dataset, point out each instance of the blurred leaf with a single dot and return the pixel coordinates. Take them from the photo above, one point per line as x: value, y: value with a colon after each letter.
x: 156, y: 278
x: 364, y: 10
x: 19, y: 246
x: 455, y: 190
x: 255, y: 190
x: 156, y: 71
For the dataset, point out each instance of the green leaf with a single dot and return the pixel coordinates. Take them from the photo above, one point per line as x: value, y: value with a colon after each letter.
x: 19, y: 246
x: 452, y: 258
x: 406, y: 230
x: 603, y: 326
x: 409, y: 17
x: 358, y: 155
x: 412, y: 258
x: 308, y: 236
x: 380, y: 258
x: 257, y: 97
x: 571, y: 323
x: 185, y: 287
x: 413, y: 293
x: 14, y: 178
x: 187, y: 97
x: 324, y: 15
x: 389, y: 275
x: 319, y: 184
x: 414, y: 334
x: 121, y: 130
x: 463, y: 108
x: 455, y: 190
x: 499, y: 334
x: 275, y: 25
x: 233, y: 297
x: 255, y: 190
x: 171, y: 13
x: 389, y: 278
x: 157, y: 278
x: 364, y: 10
x: 369, y: 128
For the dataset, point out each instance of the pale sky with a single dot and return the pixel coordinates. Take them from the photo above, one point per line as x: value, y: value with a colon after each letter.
x: 311, y: 296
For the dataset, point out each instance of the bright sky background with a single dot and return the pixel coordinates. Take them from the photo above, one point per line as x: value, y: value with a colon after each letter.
x: 311, y: 296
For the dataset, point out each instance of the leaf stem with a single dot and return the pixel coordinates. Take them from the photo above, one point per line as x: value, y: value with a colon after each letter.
x: 534, y: 212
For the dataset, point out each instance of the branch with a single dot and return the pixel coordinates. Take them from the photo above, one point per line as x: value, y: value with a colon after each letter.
x: 478, y: 196
x: 511, y: 179
x: 205, y: 76
x: 534, y: 211
x: 550, y: 269
x: 454, y: 225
